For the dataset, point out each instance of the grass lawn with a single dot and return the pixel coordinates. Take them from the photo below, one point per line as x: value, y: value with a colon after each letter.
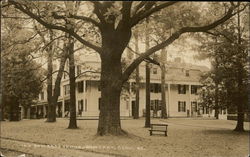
x: 186, y: 138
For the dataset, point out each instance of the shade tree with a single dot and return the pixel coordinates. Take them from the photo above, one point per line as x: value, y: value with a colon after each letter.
x: 115, y: 21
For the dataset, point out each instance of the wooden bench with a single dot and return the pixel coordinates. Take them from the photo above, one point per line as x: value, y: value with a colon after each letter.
x: 158, y: 128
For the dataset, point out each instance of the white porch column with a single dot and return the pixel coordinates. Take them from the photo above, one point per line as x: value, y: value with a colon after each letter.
x: 168, y: 106
x: 63, y: 106
x: 84, y: 96
x: 189, y: 99
x: 130, y: 100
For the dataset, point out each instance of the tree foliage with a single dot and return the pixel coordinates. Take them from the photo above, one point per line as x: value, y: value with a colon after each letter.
x: 227, y: 49
x: 115, y: 22
x: 21, y: 75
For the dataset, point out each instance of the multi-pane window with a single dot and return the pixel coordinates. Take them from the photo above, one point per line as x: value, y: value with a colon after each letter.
x: 80, y: 86
x: 181, y: 89
x: 42, y: 95
x: 155, y: 105
x: 181, y: 106
x: 159, y: 103
x: 194, y: 89
x: 152, y: 104
x: 155, y: 87
x: 66, y: 89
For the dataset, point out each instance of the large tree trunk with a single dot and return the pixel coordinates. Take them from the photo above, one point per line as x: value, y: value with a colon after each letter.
x: 216, y: 107
x: 240, y: 67
x: 72, y: 80
x: 137, y: 79
x: 111, y: 85
x: 163, y: 93
x: 137, y: 94
x: 147, y: 121
x: 113, y: 44
x: 240, y: 118
x: 56, y: 93
x: 240, y: 100
x: 51, y: 115
x: 216, y: 101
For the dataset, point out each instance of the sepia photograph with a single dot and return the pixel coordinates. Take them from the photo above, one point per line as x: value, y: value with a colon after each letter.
x: 124, y: 78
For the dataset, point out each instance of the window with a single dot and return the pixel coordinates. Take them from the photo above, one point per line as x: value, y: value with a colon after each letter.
x: 42, y: 95
x: 181, y: 106
x: 152, y: 104
x: 78, y: 70
x: 80, y: 86
x: 86, y: 105
x: 154, y: 70
x: 155, y: 105
x: 66, y: 89
x: 80, y: 105
x: 181, y: 89
x: 187, y: 73
x: 158, y: 104
x: 194, y: 89
x: 155, y: 88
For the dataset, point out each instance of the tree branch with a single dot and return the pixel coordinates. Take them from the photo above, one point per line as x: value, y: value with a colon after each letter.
x: 142, y: 15
x: 97, y: 7
x: 88, y: 71
x: 147, y: 59
x: 139, y: 6
x: 172, y: 38
x: 83, y: 18
x: 54, y: 73
x: 52, y: 26
x: 219, y: 34
x: 125, y: 11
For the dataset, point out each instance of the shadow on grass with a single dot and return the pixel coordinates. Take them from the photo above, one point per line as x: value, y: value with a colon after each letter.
x: 226, y: 132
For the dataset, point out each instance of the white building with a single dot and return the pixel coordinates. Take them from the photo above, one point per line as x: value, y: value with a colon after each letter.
x: 182, y: 86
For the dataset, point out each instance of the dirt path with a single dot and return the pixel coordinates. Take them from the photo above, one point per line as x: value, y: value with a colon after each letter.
x: 14, y: 147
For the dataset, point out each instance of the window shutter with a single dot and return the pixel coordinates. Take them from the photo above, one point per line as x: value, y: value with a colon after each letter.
x: 179, y: 106
x: 184, y: 106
